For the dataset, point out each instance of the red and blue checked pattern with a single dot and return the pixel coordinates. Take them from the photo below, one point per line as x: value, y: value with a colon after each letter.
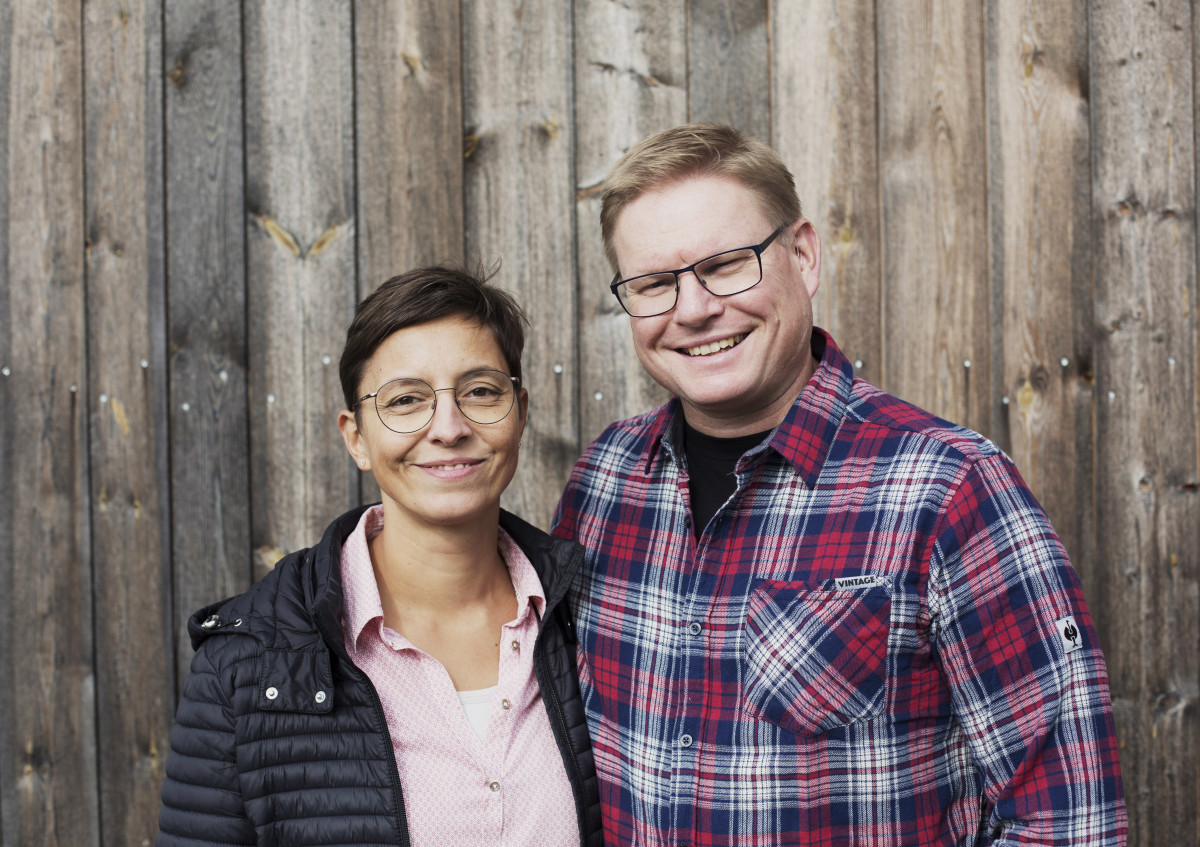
x: 860, y: 648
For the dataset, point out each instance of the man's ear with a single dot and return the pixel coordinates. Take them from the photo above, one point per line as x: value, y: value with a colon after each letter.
x: 805, y: 245
x: 353, y: 439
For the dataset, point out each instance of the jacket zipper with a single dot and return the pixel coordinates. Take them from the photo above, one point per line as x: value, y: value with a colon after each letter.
x: 393, y: 770
x: 564, y: 745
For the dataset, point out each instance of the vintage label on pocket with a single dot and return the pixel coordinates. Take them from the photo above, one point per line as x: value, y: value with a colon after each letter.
x: 846, y: 583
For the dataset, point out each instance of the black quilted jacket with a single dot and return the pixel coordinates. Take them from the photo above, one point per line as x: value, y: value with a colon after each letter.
x: 279, y: 739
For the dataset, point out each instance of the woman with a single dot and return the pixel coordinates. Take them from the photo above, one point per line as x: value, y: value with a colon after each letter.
x: 411, y: 679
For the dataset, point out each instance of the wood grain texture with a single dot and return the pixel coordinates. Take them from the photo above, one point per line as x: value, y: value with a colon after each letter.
x: 1041, y: 242
x: 519, y: 204
x: 409, y: 124
x: 128, y: 432
x: 300, y: 248
x: 824, y: 125
x: 728, y: 80
x: 937, y: 325
x: 1147, y: 456
x: 210, y: 493
x: 630, y: 81
x: 47, y: 708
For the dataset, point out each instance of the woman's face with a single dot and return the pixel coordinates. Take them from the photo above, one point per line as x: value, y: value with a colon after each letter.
x: 452, y: 470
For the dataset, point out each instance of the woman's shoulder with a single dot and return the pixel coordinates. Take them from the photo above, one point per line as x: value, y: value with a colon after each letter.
x: 256, y: 612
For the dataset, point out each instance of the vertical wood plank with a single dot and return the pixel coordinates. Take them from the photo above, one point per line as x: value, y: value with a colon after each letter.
x: 408, y: 65
x: 728, y: 79
x: 408, y: 71
x: 824, y: 124
x: 47, y: 708
x: 300, y: 246
x: 1039, y: 184
x: 1147, y: 457
x: 207, y: 312
x: 517, y: 105
x: 127, y: 379
x: 937, y: 329
x: 630, y: 81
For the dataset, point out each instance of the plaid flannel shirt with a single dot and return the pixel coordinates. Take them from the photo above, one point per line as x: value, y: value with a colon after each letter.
x: 878, y: 639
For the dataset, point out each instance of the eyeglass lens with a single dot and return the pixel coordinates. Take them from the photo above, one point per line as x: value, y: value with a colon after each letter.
x: 406, y: 405
x: 723, y: 274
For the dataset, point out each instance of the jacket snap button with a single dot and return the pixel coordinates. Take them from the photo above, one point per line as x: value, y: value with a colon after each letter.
x: 320, y: 696
x: 272, y: 693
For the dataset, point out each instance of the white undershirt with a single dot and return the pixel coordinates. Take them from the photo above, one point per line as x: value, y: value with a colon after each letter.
x: 477, y: 705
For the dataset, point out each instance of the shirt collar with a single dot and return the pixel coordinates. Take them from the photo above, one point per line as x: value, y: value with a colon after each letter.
x: 806, y: 434
x: 361, y: 599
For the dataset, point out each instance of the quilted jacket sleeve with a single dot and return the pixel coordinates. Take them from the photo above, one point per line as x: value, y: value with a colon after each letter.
x: 202, y: 801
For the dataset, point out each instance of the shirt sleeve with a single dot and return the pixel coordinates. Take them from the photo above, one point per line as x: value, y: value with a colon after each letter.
x: 202, y: 800
x: 1017, y: 645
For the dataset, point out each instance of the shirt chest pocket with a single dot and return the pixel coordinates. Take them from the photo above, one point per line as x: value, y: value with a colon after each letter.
x: 816, y: 659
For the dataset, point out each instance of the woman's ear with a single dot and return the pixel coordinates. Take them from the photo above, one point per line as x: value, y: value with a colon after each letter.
x: 353, y: 438
x: 523, y: 407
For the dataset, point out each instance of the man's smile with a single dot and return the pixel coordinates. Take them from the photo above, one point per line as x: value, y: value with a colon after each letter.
x: 715, y: 346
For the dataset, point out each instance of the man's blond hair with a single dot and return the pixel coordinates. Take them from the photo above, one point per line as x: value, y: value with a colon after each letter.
x: 699, y: 149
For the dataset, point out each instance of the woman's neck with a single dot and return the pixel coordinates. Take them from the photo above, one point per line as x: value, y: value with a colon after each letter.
x: 436, y: 567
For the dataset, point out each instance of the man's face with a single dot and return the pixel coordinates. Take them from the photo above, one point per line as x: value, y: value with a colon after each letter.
x: 737, y: 363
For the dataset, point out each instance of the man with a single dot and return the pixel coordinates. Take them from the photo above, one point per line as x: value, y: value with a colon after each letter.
x: 811, y: 613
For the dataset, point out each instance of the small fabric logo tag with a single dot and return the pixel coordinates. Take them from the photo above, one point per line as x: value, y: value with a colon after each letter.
x: 1069, y: 635
x: 855, y: 582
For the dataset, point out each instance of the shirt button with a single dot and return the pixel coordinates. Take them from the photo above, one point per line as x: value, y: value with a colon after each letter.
x: 495, y: 786
x: 516, y: 645
x: 504, y: 704
x: 272, y: 693
x: 695, y: 628
x: 685, y: 741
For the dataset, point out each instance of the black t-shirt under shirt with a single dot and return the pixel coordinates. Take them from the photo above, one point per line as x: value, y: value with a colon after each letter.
x: 711, y: 470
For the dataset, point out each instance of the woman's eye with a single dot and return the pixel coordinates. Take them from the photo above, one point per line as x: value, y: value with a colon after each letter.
x: 403, y: 401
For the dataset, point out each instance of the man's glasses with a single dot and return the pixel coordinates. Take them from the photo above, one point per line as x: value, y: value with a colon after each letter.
x: 407, y: 405
x: 730, y: 272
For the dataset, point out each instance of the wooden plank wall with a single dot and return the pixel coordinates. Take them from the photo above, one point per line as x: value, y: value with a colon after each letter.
x: 194, y: 194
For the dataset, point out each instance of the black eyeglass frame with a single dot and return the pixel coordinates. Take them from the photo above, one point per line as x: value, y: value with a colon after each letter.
x: 516, y: 381
x: 758, y: 249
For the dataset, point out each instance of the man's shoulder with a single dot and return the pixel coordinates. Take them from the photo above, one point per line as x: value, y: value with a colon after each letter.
x: 872, y: 407
x: 631, y: 438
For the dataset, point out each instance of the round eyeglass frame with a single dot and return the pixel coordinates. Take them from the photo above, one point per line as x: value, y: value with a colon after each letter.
x: 374, y: 395
x: 616, y: 285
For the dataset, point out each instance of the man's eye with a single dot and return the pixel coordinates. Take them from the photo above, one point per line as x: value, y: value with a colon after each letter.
x: 653, y: 285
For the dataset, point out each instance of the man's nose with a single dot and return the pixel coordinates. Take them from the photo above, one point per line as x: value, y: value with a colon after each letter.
x: 694, y: 303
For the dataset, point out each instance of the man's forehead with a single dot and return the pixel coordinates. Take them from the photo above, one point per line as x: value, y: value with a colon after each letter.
x: 696, y: 213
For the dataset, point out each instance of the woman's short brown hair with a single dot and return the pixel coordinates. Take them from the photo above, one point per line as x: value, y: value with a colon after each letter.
x: 699, y: 149
x: 429, y: 294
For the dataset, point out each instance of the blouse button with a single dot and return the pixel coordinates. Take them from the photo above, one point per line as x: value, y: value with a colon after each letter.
x: 272, y: 693
x: 495, y: 786
x: 504, y: 704
x: 516, y: 645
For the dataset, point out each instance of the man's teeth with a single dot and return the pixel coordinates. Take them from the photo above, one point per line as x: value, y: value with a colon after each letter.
x: 713, y: 347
